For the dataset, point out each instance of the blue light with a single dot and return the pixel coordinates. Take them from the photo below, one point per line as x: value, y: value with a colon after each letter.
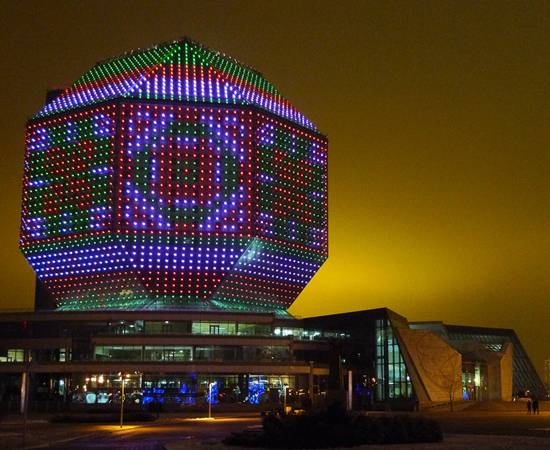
x: 256, y: 389
x: 211, y: 395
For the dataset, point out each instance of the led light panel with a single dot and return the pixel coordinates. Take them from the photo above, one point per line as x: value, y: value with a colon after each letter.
x: 174, y: 178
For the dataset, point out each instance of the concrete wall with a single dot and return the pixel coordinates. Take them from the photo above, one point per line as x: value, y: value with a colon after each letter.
x: 493, y: 378
x: 506, y: 373
x: 435, y: 367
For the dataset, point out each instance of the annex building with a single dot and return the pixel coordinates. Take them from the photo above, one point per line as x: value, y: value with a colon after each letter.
x: 77, y: 358
x: 175, y: 204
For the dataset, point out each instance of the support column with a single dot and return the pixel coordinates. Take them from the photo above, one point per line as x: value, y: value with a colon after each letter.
x: 310, y: 381
x: 24, y: 392
x: 350, y: 391
x: 65, y: 388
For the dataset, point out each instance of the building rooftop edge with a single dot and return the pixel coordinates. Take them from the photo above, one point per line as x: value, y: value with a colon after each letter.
x: 114, y: 314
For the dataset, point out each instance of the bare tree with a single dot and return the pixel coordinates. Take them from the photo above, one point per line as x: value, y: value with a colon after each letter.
x: 441, y: 364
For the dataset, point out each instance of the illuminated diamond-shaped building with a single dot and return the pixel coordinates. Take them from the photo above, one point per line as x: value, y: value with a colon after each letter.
x: 174, y: 206
x: 173, y: 177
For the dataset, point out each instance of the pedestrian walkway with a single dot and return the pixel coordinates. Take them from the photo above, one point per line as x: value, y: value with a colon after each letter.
x: 451, y: 442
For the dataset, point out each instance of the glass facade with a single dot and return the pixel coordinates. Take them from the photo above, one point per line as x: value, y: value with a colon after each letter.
x: 393, y: 381
x: 207, y: 327
x: 253, y: 329
x: 212, y: 353
x: 180, y: 391
x: 183, y: 327
x: 369, y: 348
x: 38, y: 356
x: 474, y: 380
x: 50, y: 355
x: 525, y: 379
x: 118, y: 352
x: 167, y: 353
x: 167, y: 327
x: 310, y: 335
x: 125, y: 327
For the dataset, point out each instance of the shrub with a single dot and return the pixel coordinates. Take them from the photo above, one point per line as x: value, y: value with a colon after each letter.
x: 334, y: 427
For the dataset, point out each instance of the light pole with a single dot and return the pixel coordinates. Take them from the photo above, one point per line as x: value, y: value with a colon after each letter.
x: 123, y: 379
x: 25, y: 382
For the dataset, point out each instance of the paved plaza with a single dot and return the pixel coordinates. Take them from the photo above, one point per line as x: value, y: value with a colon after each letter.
x: 462, y: 429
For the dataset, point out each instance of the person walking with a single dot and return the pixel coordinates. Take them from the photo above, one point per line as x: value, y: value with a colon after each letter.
x: 535, y: 405
x: 529, y: 406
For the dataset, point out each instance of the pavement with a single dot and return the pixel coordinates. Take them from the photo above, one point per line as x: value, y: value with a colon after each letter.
x: 476, y: 429
x: 144, y: 436
x: 494, y: 423
x: 452, y: 442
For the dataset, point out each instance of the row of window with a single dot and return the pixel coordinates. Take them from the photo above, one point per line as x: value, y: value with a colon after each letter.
x: 13, y: 355
x: 188, y: 327
x: 186, y: 389
x: 310, y: 335
x: 191, y: 353
x: 179, y: 327
x: 218, y: 327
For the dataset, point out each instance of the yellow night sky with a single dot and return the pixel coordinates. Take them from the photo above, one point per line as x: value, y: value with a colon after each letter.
x: 438, y: 118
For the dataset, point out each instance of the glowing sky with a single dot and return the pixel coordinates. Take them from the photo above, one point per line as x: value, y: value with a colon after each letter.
x: 438, y: 120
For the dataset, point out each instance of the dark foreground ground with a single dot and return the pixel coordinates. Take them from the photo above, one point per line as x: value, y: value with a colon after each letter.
x: 142, y: 436
x: 462, y: 429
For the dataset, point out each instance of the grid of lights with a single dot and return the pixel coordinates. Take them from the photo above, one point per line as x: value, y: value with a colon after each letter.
x: 141, y: 203
x: 182, y: 70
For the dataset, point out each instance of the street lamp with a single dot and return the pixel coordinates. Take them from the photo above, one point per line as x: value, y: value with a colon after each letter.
x: 123, y: 379
x: 285, y: 387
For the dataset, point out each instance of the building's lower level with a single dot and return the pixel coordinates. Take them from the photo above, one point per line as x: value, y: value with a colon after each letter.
x: 183, y: 360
